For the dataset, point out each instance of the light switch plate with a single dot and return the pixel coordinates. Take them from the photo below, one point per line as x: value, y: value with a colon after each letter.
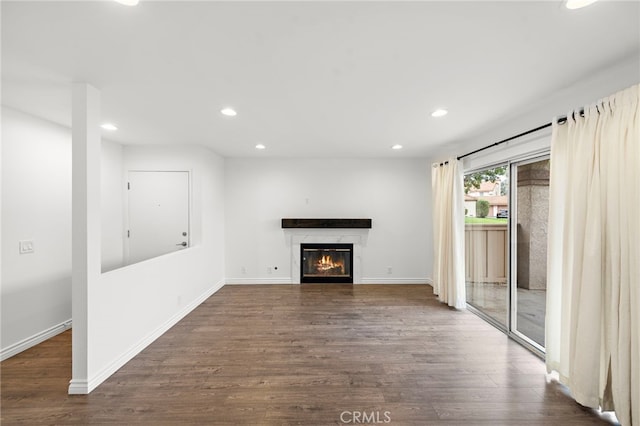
x: 26, y: 246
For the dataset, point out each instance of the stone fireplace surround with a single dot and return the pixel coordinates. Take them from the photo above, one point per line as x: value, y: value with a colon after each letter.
x: 326, y: 231
x: 296, y: 236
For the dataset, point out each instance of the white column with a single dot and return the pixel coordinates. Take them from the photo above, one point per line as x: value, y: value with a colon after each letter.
x: 85, y: 228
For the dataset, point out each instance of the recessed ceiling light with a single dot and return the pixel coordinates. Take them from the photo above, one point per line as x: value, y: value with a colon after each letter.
x: 440, y: 112
x: 396, y: 146
x: 260, y: 146
x: 128, y: 2
x: 578, y: 4
x: 109, y: 126
x: 229, y: 112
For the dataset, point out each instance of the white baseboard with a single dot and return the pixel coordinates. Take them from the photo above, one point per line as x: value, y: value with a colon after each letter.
x: 82, y: 387
x: 254, y: 281
x: 78, y: 387
x: 394, y: 281
x: 251, y: 281
x: 29, y: 342
x: 430, y: 281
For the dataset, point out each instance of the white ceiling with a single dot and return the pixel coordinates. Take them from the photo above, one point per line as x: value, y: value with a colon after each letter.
x: 335, y: 79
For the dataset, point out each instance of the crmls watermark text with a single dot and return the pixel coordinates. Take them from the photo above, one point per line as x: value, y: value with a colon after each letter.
x: 365, y: 417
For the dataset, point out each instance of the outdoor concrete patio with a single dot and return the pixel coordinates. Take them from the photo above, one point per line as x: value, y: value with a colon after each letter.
x: 492, y: 299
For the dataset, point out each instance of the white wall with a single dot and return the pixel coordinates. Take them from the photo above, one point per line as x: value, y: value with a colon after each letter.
x: 131, y: 306
x: 36, y: 205
x: 392, y: 192
x: 36, y: 195
x: 111, y: 206
x: 584, y: 91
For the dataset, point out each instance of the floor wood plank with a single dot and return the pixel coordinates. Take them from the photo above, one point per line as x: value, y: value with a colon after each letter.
x: 289, y: 354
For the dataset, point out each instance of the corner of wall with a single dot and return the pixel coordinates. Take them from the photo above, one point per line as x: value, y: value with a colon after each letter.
x: 31, y: 341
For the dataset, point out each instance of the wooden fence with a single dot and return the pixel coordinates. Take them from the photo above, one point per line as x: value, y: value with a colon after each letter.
x: 486, y: 253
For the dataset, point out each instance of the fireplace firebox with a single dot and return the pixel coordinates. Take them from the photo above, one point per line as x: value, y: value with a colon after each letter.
x: 326, y: 263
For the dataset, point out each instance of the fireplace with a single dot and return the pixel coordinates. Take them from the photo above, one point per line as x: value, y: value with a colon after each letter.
x: 326, y: 263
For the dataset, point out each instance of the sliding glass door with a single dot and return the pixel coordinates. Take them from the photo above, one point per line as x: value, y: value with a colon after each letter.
x: 506, y: 211
x: 529, y: 259
x: 486, y: 242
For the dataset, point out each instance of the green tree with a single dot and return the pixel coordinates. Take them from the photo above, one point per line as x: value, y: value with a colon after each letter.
x: 474, y: 180
x: 504, y: 187
x: 482, y: 208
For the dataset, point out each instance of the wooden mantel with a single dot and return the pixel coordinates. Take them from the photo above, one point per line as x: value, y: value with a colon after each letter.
x: 326, y: 223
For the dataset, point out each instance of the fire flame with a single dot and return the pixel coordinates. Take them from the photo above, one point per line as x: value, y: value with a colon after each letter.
x: 326, y: 263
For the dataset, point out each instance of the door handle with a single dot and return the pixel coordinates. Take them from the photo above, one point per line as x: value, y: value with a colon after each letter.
x: 183, y: 244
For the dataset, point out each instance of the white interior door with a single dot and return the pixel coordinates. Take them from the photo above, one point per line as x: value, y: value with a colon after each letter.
x: 158, y: 213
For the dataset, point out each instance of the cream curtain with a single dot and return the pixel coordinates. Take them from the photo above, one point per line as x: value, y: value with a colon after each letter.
x: 448, y: 233
x: 593, y: 290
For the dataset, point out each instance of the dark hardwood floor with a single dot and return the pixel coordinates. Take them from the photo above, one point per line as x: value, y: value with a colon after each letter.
x: 289, y: 354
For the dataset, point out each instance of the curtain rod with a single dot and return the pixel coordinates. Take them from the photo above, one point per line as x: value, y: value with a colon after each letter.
x: 544, y: 126
x: 560, y: 120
